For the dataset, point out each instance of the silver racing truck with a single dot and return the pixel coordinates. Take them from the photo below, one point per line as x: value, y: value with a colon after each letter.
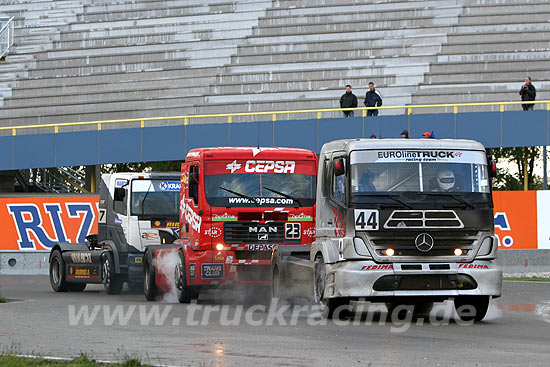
x: 403, y: 222
x: 135, y: 210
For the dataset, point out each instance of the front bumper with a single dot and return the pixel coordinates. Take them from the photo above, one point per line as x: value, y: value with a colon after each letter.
x: 357, y: 279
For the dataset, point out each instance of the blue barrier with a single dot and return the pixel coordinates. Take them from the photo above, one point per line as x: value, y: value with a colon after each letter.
x: 164, y: 143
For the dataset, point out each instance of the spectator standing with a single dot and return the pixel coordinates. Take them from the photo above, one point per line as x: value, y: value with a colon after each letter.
x: 405, y: 134
x: 348, y: 100
x: 373, y: 99
x: 528, y: 93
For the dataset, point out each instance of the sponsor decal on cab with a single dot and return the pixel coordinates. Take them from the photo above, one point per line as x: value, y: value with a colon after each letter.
x: 378, y: 267
x: 473, y: 266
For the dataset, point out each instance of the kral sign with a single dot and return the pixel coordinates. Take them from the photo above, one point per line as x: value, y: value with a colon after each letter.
x: 37, y: 223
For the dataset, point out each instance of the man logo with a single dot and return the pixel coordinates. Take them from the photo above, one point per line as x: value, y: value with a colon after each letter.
x: 263, y: 237
x: 424, y: 242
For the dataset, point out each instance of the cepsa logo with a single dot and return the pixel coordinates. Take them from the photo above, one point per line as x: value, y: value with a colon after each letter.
x: 270, y: 166
x: 40, y: 222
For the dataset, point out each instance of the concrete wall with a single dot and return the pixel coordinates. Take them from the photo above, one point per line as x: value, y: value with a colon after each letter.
x: 513, y: 262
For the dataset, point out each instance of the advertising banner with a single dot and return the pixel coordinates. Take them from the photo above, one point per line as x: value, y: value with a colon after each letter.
x: 36, y: 223
x: 516, y: 219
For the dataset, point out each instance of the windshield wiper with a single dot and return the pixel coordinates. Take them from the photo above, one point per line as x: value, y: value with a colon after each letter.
x: 145, y: 197
x: 285, y: 195
x: 454, y: 196
x: 389, y: 196
x: 240, y: 195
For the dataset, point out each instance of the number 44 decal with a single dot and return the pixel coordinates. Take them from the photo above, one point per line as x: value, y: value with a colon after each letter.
x: 366, y: 220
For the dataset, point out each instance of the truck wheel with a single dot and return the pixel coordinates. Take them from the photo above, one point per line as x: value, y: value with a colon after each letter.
x: 135, y: 287
x: 149, y: 286
x: 76, y: 287
x: 330, y: 307
x: 276, y: 283
x: 185, y: 292
x: 477, y: 310
x: 113, y: 282
x: 57, y: 272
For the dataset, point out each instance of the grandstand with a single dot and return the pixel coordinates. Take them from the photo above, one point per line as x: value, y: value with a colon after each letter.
x: 85, y: 60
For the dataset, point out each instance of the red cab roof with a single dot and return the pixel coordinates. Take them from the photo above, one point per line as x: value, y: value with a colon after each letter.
x: 250, y: 153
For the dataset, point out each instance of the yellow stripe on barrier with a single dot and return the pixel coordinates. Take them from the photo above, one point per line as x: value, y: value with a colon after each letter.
x: 229, y: 116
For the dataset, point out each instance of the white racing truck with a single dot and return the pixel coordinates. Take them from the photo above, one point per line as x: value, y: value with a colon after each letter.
x: 135, y: 210
x: 404, y: 222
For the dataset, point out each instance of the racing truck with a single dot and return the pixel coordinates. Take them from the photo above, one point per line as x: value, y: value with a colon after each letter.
x: 236, y: 205
x: 135, y: 210
x: 401, y: 222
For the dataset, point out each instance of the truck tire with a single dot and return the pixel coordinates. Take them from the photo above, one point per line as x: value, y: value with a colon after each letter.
x: 480, y: 306
x: 113, y: 282
x: 185, y: 292
x: 330, y: 307
x: 149, y: 286
x: 57, y: 272
x: 76, y: 287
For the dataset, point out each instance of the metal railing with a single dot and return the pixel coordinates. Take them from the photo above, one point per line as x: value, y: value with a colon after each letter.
x: 6, y: 35
x: 229, y: 117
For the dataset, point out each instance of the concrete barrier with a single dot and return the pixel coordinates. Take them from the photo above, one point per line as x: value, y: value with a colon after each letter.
x: 524, y: 261
x: 24, y: 263
x: 513, y: 262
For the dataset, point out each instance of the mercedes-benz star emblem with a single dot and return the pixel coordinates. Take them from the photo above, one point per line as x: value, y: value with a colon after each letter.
x: 424, y: 242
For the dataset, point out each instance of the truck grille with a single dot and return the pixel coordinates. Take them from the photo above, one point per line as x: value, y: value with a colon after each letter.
x: 404, y: 242
x: 423, y: 219
x: 253, y: 232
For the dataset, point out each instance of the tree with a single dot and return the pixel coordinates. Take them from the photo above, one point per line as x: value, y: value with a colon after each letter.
x: 516, y: 157
x: 165, y: 166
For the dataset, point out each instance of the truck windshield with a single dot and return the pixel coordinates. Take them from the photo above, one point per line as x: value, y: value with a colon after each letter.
x: 155, y: 197
x: 431, y: 171
x: 267, y: 189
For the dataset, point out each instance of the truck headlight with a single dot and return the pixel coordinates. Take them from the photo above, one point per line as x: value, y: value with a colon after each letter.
x: 361, y: 247
x: 486, y: 247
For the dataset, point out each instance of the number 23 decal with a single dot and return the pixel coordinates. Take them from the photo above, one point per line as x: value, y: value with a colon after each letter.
x: 293, y: 231
x: 366, y: 220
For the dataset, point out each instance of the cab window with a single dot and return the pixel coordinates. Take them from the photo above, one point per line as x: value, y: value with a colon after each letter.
x: 194, y: 184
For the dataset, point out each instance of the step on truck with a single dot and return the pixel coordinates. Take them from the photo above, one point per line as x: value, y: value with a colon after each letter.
x: 403, y: 222
x: 236, y: 205
x: 135, y: 210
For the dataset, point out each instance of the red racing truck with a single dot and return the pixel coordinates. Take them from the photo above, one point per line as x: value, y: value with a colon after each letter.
x: 236, y: 204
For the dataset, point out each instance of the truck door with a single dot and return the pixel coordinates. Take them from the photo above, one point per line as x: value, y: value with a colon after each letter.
x: 121, y: 205
x: 192, y: 220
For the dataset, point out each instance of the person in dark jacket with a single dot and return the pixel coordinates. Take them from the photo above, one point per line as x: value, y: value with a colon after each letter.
x: 373, y: 99
x: 348, y: 100
x: 528, y: 93
x: 405, y: 134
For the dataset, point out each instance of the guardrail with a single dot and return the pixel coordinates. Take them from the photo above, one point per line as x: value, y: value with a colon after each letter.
x: 6, y: 35
x: 228, y: 117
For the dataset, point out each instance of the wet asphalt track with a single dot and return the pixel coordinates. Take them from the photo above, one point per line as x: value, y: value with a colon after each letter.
x: 516, y: 332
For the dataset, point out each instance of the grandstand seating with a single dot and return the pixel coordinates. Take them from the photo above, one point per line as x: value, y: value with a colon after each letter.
x: 85, y: 60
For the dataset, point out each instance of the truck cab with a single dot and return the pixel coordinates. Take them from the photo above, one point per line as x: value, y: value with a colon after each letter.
x: 405, y: 222
x: 135, y: 210
x: 236, y: 205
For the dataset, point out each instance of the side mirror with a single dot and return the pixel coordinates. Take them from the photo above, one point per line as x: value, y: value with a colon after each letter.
x: 120, y: 193
x: 339, y: 167
x: 92, y: 239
